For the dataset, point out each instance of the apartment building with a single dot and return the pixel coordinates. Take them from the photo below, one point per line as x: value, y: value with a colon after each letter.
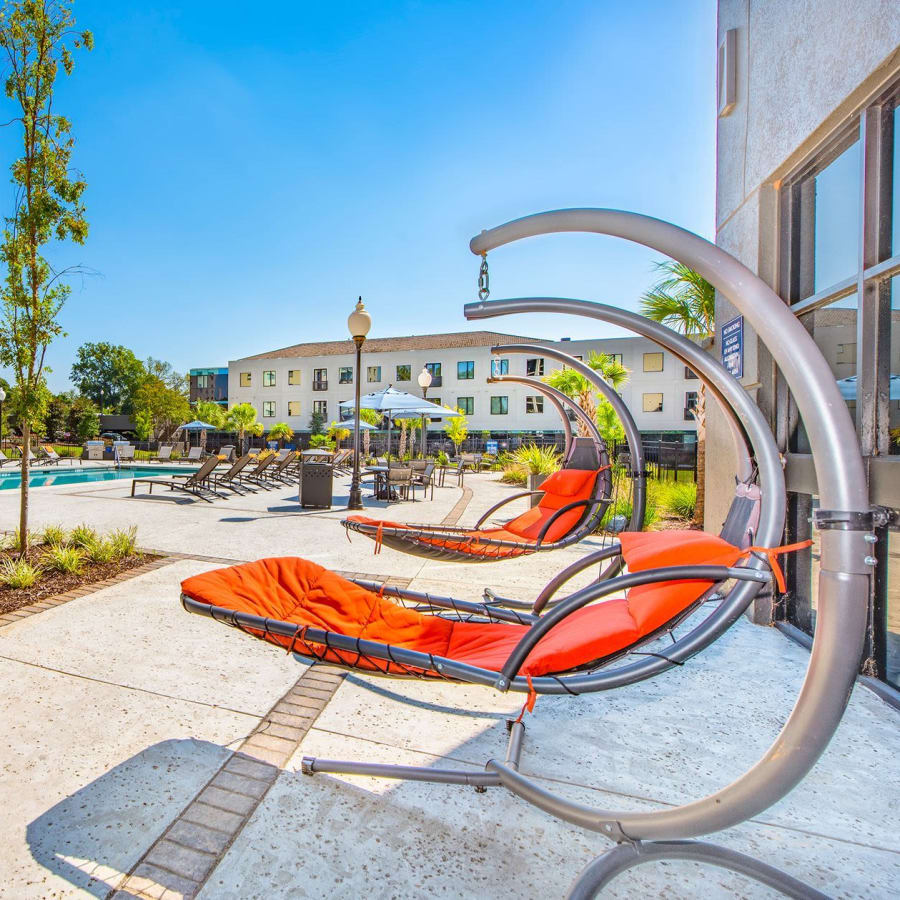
x: 290, y: 384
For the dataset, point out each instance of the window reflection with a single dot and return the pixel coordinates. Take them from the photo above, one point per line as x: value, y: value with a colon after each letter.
x: 830, y: 221
x: 894, y: 419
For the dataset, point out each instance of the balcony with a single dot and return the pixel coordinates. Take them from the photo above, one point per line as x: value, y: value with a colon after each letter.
x: 320, y: 385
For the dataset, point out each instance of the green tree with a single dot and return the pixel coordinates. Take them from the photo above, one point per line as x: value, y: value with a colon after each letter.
x: 241, y: 418
x: 108, y: 374
x: 161, y: 407
x: 211, y: 413
x: 457, y: 429
x: 55, y: 417
x: 338, y: 431
x: 37, y: 37
x: 281, y: 432
x: 370, y: 417
x: 573, y: 384
x: 685, y: 301
x: 316, y: 423
x: 83, y: 420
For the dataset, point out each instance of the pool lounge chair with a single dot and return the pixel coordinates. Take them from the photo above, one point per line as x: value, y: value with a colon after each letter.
x: 51, y: 456
x: 257, y: 476
x: 124, y: 452
x: 164, y: 454
x: 197, y: 483
x: 231, y: 478
x: 194, y: 454
x: 4, y: 459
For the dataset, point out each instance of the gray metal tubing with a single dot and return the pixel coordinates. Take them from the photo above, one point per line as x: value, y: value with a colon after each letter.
x: 514, y: 749
x: 601, y: 871
x: 601, y: 589
x: 556, y: 398
x: 501, y: 503
x: 311, y: 765
x: 844, y: 575
x: 571, y: 571
x: 632, y: 435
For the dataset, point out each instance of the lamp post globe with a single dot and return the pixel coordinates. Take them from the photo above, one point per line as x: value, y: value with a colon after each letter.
x: 425, y: 378
x: 358, y: 324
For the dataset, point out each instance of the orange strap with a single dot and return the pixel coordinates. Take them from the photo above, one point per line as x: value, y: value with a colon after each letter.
x: 772, y: 554
x: 379, y: 538
x: 529, y: 703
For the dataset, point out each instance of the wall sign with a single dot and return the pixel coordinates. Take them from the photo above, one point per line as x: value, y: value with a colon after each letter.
x: 733, y: 346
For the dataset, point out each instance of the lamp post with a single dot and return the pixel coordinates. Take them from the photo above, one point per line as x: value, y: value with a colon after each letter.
x: 359, y: 323
x: 424, y: 380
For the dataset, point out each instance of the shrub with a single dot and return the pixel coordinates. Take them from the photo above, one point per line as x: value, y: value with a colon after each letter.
x: 320, y: 442
x: 18, y: 573
x: 537, y: 460
x: 54, y: 535
x: 100, y: 551
x: 123, y: 542
x: 83, y: 536
x: 442, y: 458
x: 683, y: 500
x: 514, y: 474
x: 64, y: 559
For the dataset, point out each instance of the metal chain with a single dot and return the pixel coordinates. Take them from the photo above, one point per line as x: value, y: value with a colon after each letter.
x: 484, y: 285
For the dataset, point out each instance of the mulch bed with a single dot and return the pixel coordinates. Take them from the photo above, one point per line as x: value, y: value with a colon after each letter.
x: 52, y: 583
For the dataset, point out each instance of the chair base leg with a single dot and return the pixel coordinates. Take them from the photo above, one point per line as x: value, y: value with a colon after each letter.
x: 310, y: 765
x: 602, y: 870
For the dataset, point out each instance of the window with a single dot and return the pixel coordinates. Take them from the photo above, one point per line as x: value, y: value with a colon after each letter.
x: 534, y: 404
x: 269, y: 378
x: 534, y: 367
x: 465, y: 371
x: 653, y: 362
x: 244, y: 379
x: 690, y: 402
x: 373, y: 373
x: 320, y: 379
x: 466, y: 405
x: 294, y: 376
x: 652, y: 402
x: 435, y: 400
x: 499, y: 406
x: 404, y: 373
x: 202, y: 381
x: 293, y: 407
x: 345, y: 375
x: 320, y: 408
x: 616, y: 358
x: 840, y: 272
x: 268, y: 409
x: 689, y: 373
x: 499, y: 367
x: 434, y: 369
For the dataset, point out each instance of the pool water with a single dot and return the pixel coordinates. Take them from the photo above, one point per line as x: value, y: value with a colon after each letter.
x: 67, y: 473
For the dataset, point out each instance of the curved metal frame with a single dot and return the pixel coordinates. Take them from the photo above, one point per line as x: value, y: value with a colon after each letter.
x: 632, y: 435
x: 844, y: 574
x: 554, y: 397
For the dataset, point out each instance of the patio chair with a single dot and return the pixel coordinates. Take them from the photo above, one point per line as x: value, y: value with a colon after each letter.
x: 259, y: 469
x: 231, y: 478
x: 164, y: 454
x: 345, y: 622
x: 423, y: 475
x: 196, y: 483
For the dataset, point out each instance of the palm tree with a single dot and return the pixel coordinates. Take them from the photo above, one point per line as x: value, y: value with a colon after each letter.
x: 457, y: 429
x: 370, y: 417
x: 338, y: 432
x: 576, y: 386
x: 685, y: 301
x: 242, y: 419
x: 281, y: 432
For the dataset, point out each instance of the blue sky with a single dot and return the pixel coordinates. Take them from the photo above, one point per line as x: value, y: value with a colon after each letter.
x: 253, y: 168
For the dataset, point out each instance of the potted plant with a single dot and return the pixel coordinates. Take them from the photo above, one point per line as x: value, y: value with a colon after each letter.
x: 538, y: 462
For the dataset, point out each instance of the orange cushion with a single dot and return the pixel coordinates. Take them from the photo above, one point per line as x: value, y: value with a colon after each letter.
x: 301, y: 592
x: 652, y: 605
x: 561, y: 488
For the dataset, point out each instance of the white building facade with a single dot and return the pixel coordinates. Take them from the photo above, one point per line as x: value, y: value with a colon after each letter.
x: 290, y: 384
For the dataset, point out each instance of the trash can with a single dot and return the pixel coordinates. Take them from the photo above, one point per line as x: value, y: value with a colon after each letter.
x: 316, y: 479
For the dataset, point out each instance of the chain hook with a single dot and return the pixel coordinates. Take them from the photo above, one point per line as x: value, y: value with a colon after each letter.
x: 484, y: 286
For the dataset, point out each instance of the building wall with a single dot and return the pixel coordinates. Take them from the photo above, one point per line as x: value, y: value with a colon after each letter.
x: 804, y: 69
x: 671, y: 383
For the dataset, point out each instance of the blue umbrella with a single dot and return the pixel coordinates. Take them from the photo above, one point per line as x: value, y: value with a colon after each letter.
x: 197, y: 425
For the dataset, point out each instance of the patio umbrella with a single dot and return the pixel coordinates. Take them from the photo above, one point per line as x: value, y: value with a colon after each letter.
x: 197, y: 426
x: 393, y: 403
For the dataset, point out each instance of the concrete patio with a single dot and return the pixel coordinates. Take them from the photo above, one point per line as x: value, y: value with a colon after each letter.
x: 152, y: 753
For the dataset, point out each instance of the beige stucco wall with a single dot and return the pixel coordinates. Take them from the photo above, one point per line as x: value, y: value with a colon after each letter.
x: 803, y: 68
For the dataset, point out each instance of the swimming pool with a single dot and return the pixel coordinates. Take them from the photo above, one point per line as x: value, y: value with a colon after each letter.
x: 67, y: 473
